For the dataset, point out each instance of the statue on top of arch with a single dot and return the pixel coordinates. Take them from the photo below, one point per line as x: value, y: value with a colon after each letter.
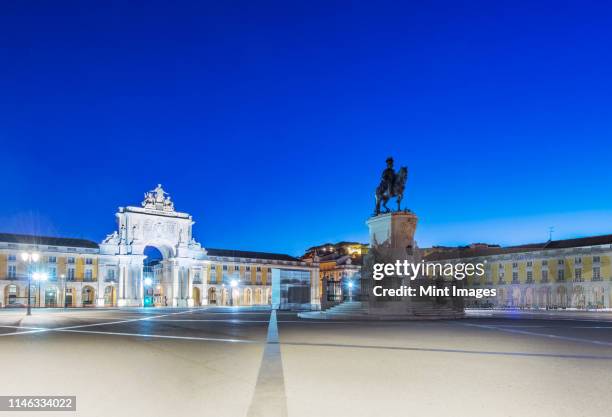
x: 158, y: 199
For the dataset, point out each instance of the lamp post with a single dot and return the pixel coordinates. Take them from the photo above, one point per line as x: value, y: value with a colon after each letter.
x: 29, y: 258
x: 63, y: 287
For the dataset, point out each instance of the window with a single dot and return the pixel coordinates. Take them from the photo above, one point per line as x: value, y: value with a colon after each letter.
x: 529, y: 263
x: 248, y: 268
x: 258, y: 279
x: 596, y: 259
x: 12, y: 271
x: 269, y: 270
x: 52, y: 259
x: 545, y: 262
x: 70, y: 260
x: 110, y: 274
x: 560, y: 262
x: 12, y: 257
x: 514, y: 264
x: 578, y: 260
x: 596, y: 274
x: 196, y: 277
x: 52, y: 272
x: 515, y: 278
x: 70, y: 273
x: 88, y: 274
x: 213, y: 276
x: 236, y: 268
x: 529, y: 276
x: 88, y: 261
x: 578, y: 275
x: 501, y: 266
x: 561, y: 275
x: 259, y: 269
x: 544, y: 276
x: 225, y: 267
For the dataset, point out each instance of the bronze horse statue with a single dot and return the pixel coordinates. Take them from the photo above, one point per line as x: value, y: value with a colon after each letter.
x: 385, y: 191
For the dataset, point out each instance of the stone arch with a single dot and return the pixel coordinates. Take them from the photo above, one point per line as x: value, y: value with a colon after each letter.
x: 197, y: 299
x: 561, y: 299
x: 530, y: 298
x: 88, y: 296
x: 212, y: 295
x: 51, y: 296
x: 110, y: 296
x: 248, y: 297
x: 11, y: 294
x: 578, y: 297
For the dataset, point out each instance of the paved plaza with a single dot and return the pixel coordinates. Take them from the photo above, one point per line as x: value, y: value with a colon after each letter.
x: 254, y: 362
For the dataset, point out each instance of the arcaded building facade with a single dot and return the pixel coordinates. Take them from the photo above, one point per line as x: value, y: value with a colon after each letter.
x: 558, y: 274
x: 78, y: 273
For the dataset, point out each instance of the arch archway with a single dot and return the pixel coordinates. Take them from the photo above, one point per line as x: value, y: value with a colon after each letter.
x: 248, y: 297
x: 212, y: 295
x: 110, y: 296
x: 51, y: 296
x: 88, y: 296
x: 11, y: 294
x: 197, y: 301
x: 561, y: 297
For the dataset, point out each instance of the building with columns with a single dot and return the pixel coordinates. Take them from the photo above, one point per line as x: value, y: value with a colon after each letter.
x: 80, y: 272
x: 557, y: 274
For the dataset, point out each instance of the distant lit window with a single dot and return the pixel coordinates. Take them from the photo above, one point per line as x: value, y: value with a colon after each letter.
x: 12, y: 257
x: 12, y: 271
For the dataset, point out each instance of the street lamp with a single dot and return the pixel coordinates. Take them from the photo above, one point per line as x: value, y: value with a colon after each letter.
x: 29, y: 258
x: 39, y: 276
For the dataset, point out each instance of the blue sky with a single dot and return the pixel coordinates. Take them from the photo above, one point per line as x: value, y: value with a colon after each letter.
x: 270, y: 122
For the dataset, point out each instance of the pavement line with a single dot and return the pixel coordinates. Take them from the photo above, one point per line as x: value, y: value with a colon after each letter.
x: 546, y: 335
x: 443, y: 350
x: 269, y: 399
x: 48, y: 329
x: 160, y: 336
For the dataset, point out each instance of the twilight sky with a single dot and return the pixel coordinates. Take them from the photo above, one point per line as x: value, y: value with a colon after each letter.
x: 270, y: 122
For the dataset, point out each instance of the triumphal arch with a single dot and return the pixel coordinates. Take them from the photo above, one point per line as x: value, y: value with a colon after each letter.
x: 155, y: 224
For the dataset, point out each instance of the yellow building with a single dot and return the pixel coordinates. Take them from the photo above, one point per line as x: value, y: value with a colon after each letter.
x: 571, y: 273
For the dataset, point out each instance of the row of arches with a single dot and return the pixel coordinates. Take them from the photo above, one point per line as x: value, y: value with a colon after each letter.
x: 578, y: 296
x: 51, y: 296
x: 238, y: 296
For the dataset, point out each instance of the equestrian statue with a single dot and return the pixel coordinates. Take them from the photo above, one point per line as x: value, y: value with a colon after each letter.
x: 391, y: 185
